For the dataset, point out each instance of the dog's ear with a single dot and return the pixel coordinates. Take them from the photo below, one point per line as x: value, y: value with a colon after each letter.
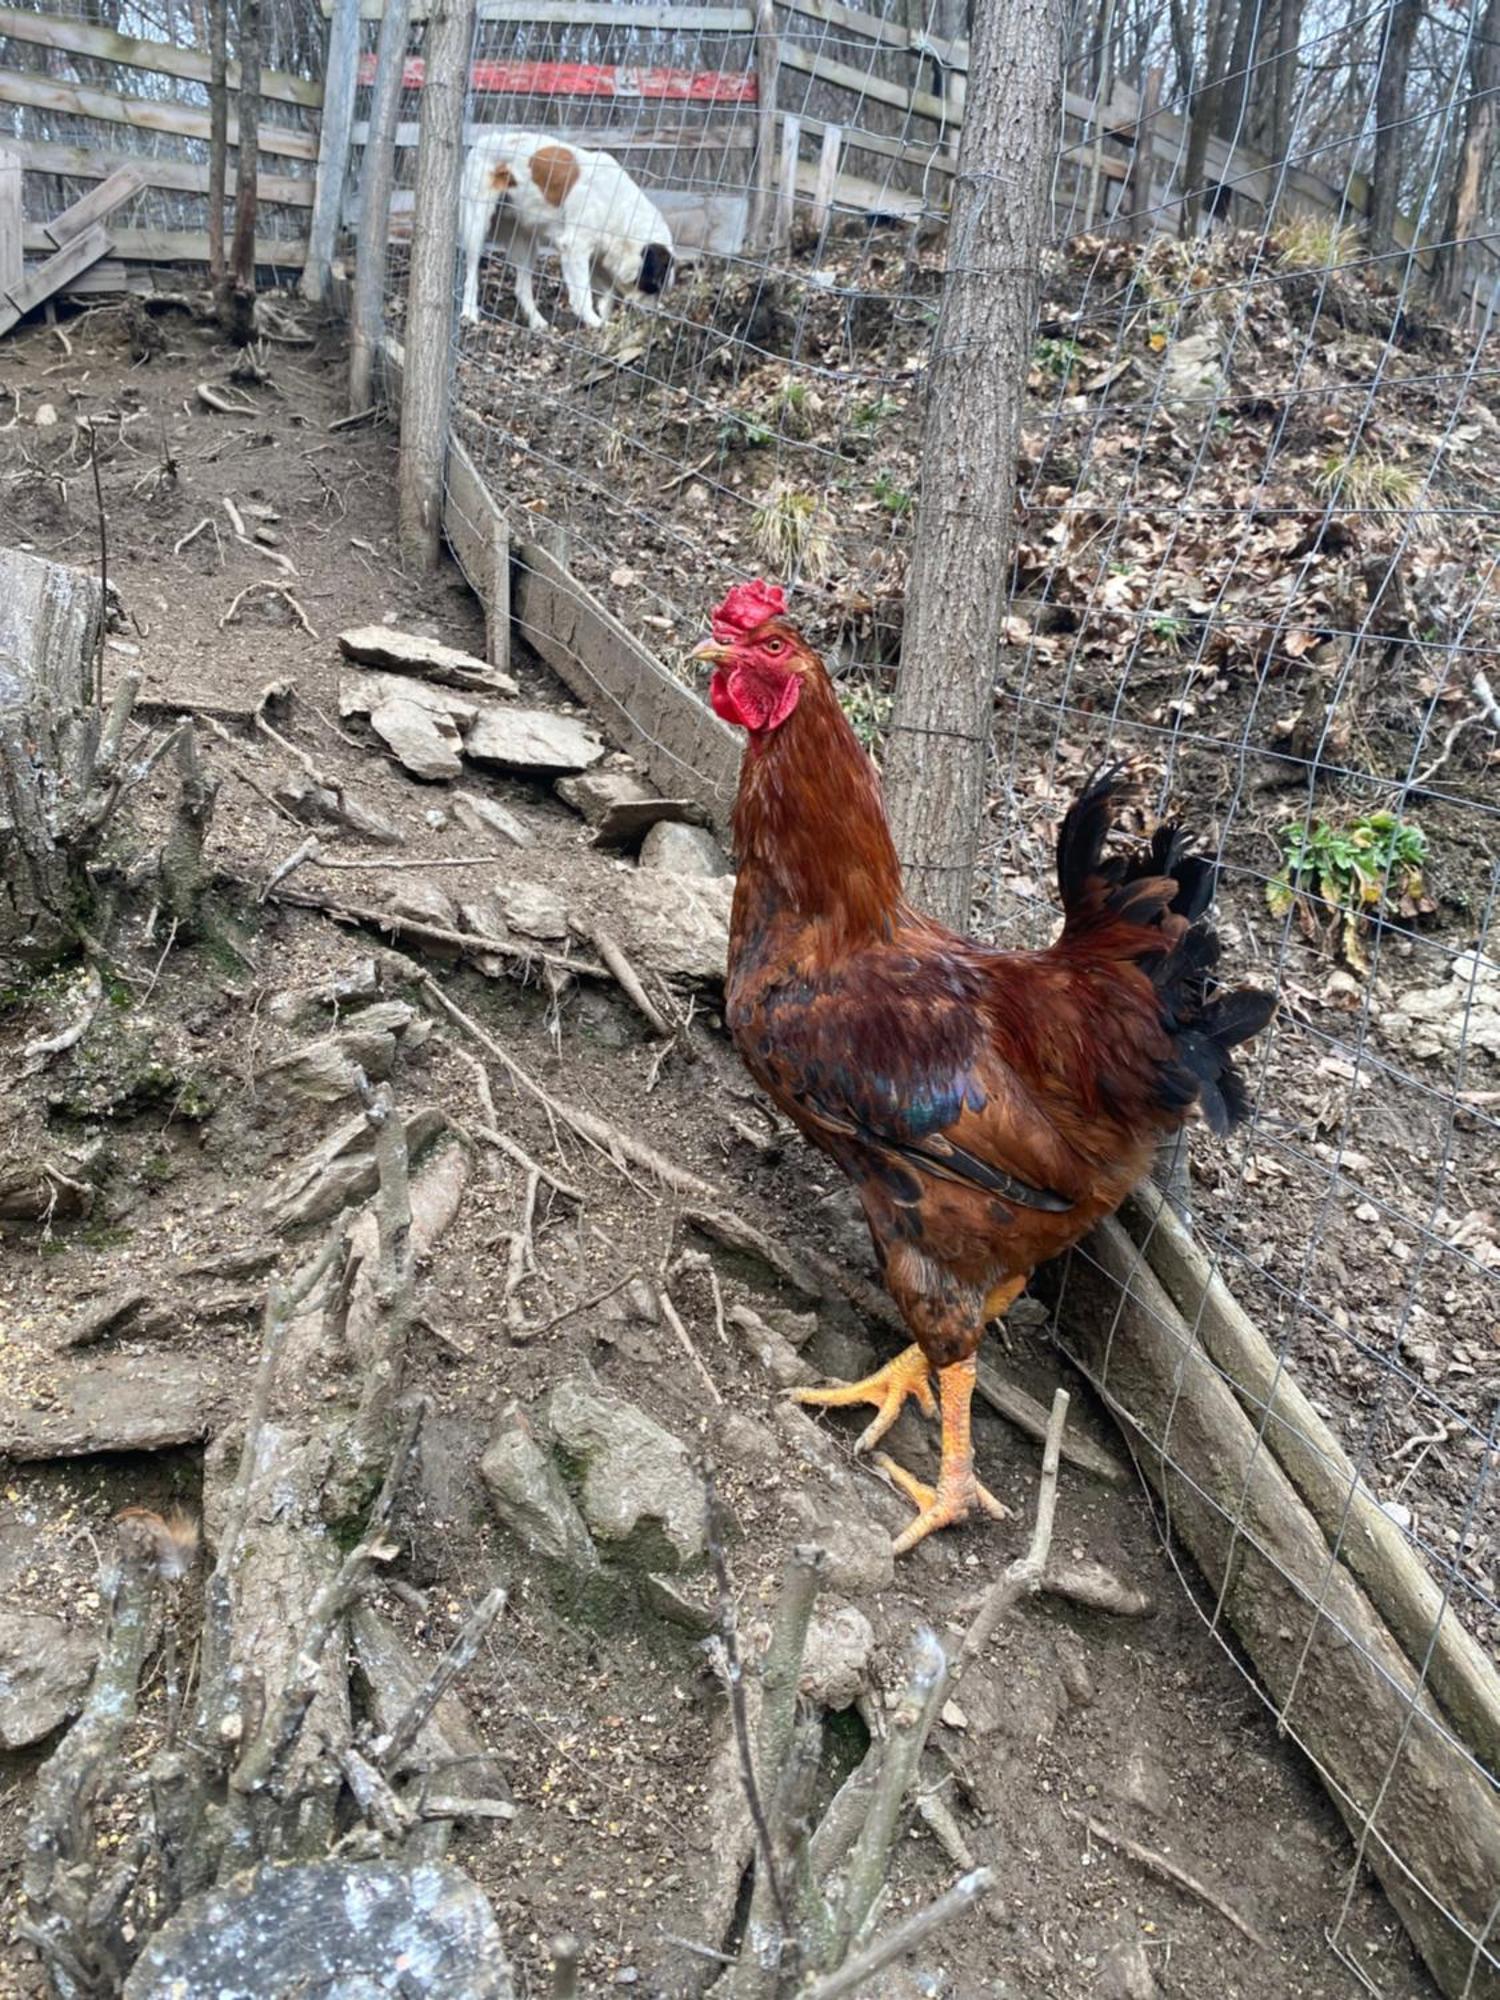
x: 656, y: 268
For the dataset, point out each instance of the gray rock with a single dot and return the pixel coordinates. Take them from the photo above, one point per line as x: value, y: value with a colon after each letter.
x: 534, y: 910
x: 670, y: 849
x: 1126, y: 1973
x: 620, y: 808
x: 641, y: 1491
x: 342, y: 1930
x: 532, y: 739
x: 391, y: 1678
x: 1192, y: 376
x: 310, y: 802
x: 411, y: 653
x: 477, y: 814
x: 748, y: 1443
x: 45, y: 1669
x: 775, y: 1354
x: 485, y: 915
x: 676, y: 924
x: 836, y: 1658
x: 362, y: 694
x: 424, y: 902
x: 527, y: 1493
x: 1435, y: 1022
x: 1144, y: 1783
x: 642, y: 1303
x: 859, y: 1551
x: 323, y: 1071
x: 114, y: 1403
x: 424, y: 744
x: 342, y: 1170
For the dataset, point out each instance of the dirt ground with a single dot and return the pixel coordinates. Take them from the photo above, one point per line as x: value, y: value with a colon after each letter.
x: 608, y: 1720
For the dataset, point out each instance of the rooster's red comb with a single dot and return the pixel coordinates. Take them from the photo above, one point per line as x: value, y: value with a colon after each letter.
x: 746, y: 606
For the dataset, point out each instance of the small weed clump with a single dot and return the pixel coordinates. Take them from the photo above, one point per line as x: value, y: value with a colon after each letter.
x: 1355, y: 872
x: 791, y: 532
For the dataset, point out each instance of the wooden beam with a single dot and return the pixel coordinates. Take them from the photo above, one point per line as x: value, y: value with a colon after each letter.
x: 12, y: 262
x: 925, y: 158
x: 844, y: 76
x: 95, y: 206
x: 871, y: 28
x: 44, y: 279
x: 339, y: 88
x: 82, y: 163
x: 377, y: 170
x: 50, y: 31
x: 732, y: 138
x: 144, y: 113
x: 587, y: 14
x: 786, y: 182
x: 761, y: 211
x: 181, y: 246
x: 828, y: 172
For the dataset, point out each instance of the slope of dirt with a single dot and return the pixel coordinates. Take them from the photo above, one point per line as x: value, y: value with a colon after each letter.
x: 608, y: 1719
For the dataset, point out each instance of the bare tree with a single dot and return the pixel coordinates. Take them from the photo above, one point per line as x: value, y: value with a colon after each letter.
x: 236, y: 299
x: 218, y: 135
x: 960, y: 571
x: 1400, y: 32
x: 1476, y: 158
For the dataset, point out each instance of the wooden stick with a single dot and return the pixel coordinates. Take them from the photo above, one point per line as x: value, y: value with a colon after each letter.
x: 472, y: 941
x: 629, y: 983
x: 685, y: 1341
x: 853, y: 1975
x: 455, y: 1660
x: 1167, y: 1871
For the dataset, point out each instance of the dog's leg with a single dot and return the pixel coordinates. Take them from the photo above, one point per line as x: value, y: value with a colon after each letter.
x: 525, y: 297
x: 576, y: 276
x: 476, y: 219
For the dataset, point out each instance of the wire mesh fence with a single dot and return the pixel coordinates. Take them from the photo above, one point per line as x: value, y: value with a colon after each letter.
x: 1255, y: 551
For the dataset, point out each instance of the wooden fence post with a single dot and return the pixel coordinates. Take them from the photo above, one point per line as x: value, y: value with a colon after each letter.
x: 429, y: 297
x: 762, y: 160
x: 786, y: 191
x: 376, y: 176
x: 333, y: 146
x: 828, y: 174
x: 1138, y: 199
x: 12, y: 264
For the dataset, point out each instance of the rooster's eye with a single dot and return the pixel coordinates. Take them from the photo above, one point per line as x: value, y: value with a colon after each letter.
x: 776, y: 645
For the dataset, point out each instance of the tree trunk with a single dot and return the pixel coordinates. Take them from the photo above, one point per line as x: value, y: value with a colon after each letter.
x: 1401, y: 23
x: 960, y: 574
x: 218, y: 136
x: 1476, y: 159
x: 1236, y: 89
x: 378, y: 172
x: 1284, y: 78
x: 237, y: 287
x: 1204, y: 116
x: 430, y: 302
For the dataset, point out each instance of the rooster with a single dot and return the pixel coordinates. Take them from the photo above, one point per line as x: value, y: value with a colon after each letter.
x: 989, y: 1106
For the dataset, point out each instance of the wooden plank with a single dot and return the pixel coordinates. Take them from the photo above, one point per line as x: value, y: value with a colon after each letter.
x: 44, y: 279
x: 629, y: 81
x: 111, y: 276
x: 586, y: 14
x: 50, y: 31
x: 767, y: 71
x: 786, y: 182
x: 866, y: 197
x: 843, y: 76
x: 99, y: 203
x: 889, y: 34
x: 828, y: 172
x: 333, y: 146
x: 82, y: 163
x: 733, y: 138
x: 181, y: 246
x: 12, y: 263
x: 677, y: 739
x: 144, y: 113
x: 925, y: 158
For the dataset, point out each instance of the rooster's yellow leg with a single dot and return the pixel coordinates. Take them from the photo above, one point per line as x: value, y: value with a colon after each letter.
x: 958, y: 1493
x: 888, y: 1388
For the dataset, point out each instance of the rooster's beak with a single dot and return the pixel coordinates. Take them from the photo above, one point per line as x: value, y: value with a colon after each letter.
x: 710, y: 652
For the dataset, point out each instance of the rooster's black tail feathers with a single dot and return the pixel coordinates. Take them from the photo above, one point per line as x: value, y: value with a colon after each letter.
x: 1150, y: 907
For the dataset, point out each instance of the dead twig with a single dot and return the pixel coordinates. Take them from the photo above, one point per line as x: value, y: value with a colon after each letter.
x: 227, y: 402
x: 237, y: 522
x: 584, y: 1305
x: 308, y: 851
x: 1023, y: 1577
x: 1167, y: 1871
x: 409, y: 927
x: 685, y: 1342
x: 357, y: 417
x: 459, y: 1656
x: 264, y: 587
x: 1091, y: 1584
x: 853, y: 1974
x: 492, y: 1135
x: 629, y: 982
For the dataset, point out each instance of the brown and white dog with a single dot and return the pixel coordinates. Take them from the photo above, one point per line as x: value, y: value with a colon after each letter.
x: 584, y: 204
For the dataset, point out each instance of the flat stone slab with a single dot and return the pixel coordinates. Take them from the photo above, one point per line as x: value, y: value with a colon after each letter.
x: 362, y: 694
x: 341, y: 1930
x: 410, y: 653
x: 116, y: 1402
x: 45, y: 1668
x: 532, y: 739
x: 425, y: 744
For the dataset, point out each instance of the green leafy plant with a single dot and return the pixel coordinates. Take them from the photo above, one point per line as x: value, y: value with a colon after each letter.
x: 868, y: 708
x: 795, y: 409
x: 1354, y: 872
x: 895, y: 499
x: 1055, y: 357
x: 791, y: 531
x: 871, y: 415
x: 741, y: 430
x: 1167, y: 627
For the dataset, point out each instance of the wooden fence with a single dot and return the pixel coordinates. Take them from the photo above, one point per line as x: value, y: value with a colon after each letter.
x: 866, y: 119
